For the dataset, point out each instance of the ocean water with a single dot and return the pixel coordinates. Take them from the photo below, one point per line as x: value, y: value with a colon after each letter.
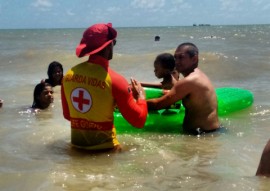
x: 35, y: 148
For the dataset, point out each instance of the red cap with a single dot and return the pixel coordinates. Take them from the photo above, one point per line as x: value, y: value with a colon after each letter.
x: 95, y: 38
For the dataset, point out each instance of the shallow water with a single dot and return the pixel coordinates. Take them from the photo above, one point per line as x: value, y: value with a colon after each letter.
x: 35, y: 148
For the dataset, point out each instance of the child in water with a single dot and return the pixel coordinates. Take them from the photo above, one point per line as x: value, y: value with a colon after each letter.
x: 55, y: 74
x: 43, y: 96
x: 164, y: 65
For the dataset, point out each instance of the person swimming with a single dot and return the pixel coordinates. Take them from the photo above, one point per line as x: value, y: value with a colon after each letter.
x: 1, y: 102
x: 43, y: 95
x: 55, y: 74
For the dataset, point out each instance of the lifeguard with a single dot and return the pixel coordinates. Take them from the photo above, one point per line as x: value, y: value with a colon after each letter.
x: 91, y: 90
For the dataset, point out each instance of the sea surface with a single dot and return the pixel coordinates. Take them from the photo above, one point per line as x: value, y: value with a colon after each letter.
x: 35, y: 147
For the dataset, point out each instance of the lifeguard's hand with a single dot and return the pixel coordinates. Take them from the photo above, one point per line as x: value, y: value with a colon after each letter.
x: 137, y: 90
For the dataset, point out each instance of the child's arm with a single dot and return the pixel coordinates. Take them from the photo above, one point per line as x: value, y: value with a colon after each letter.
x: 151, y: 85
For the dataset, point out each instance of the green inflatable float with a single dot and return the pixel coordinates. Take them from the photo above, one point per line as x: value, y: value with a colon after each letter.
x: 230, y: 99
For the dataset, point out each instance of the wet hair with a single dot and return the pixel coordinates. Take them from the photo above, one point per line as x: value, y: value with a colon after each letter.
x: 192, y: 49
x: 51, y: 68
x: 166, y: 60
x: 37, y: 91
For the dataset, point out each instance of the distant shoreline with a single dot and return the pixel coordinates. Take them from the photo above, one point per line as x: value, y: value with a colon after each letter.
x: 119, y: 27
x: 201, y: 25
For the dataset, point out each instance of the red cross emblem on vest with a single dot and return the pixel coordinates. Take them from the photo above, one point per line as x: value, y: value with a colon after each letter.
x: 81, y: 100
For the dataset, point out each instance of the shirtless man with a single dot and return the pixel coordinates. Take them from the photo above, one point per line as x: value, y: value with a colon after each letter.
x: 195, y: 90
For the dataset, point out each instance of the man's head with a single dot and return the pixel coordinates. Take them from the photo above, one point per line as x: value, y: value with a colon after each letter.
x: 95, y: 39
x: 186, y: 58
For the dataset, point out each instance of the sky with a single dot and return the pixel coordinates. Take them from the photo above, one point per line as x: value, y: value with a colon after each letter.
x: 17, y: 14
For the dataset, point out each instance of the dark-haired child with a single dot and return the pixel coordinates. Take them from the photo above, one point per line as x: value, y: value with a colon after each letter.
x: 43, y: 96
x: 164, y: 65
x: 55, y: 74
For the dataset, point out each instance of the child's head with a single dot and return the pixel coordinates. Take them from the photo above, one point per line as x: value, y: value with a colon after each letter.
x: 164, y: 65
x: 55, y: 73
x: 43, y: 95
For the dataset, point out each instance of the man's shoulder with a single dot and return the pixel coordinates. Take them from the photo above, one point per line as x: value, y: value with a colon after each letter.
x: 196, y: 76
x: 192, y: 82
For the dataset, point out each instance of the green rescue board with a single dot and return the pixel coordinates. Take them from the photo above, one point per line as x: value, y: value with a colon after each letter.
x: 230, y: 99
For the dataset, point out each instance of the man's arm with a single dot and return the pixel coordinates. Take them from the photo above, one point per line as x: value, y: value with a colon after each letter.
x: 131, y: 103
x: 180, y: 90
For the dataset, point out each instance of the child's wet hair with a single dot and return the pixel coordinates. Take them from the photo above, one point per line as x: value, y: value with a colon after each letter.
x: 166, y: 60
